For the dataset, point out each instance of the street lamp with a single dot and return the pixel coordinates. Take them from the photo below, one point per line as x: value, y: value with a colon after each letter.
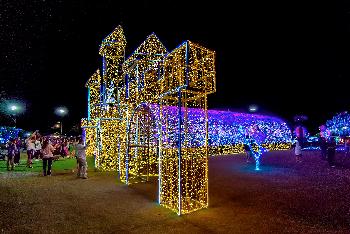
x: 253, y: 108
x: 61, y: 111
x: 14, y: 109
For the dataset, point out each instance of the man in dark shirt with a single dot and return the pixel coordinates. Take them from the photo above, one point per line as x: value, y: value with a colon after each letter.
x: 331, y: 151
x: 323, y: 147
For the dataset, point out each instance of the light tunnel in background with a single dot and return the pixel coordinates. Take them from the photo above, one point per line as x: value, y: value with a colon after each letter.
x: 227, y: 130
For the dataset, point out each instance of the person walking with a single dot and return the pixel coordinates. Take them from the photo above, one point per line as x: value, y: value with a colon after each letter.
x: 30, y: 150
x: 47, y: 151
x: 80, y: 149
x: 297, y: 151
x: 18, y: 151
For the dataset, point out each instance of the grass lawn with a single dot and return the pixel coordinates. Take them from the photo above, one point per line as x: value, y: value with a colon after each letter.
x: 283, y: 197
x: 61, y: 165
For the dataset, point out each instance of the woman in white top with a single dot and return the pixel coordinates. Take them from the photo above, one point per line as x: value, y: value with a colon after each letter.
x: 30, y: 144
x: 298, y: 151
x: 37, y: 153
x: 47, y: 151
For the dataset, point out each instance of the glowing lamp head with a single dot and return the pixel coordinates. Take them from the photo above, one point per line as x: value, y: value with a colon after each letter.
x: 13, y: 108
x: 61, y: 111
x: 253, y: 108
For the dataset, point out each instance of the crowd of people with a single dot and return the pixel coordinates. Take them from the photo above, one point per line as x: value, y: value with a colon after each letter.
x: 326, y: 142
x: 47, y: 149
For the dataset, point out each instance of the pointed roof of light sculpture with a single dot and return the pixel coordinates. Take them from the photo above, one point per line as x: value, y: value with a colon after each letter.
x: 115, y: 40
x: 152, y: 46
x: 94, y: 80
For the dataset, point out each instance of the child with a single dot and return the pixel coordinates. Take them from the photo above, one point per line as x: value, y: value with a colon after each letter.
x: 298, y: 151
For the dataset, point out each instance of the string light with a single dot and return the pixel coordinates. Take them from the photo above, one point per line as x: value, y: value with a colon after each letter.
x: 8, y: 133
x: 148, y: 116
x: 339, y: 124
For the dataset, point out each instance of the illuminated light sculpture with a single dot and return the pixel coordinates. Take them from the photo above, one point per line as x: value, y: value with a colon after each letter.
x: 254, y: 142
x: 339, y: 124
x: 140, y: 87
x: 8, y: 133
x: 189, y: 76
x: 103, y: 124
x: 89, y: 125
x: 228, y: 130
x: 112, y: 50
x: 324, y: 132
x: 148, y: 116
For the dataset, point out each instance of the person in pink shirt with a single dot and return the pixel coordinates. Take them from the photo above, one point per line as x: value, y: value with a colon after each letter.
x: 47, y: 152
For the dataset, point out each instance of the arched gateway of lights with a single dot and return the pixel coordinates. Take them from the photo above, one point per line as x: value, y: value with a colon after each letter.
x: 148, y: 116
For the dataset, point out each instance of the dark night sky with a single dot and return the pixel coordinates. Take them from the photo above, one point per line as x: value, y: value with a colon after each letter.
x: 288, y: 57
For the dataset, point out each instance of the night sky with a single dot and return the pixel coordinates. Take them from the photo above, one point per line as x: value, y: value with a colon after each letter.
x: 288, y: 57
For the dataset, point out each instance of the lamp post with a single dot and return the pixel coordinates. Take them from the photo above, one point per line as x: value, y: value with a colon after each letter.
x: 61, y: 111
x: 14, y: 109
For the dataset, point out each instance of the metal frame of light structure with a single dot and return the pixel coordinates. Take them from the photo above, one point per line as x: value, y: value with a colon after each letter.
x: 148, y: 116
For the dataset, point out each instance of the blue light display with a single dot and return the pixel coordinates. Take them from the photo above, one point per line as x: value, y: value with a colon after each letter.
x: 340, y: 124
x: 6, y: 133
